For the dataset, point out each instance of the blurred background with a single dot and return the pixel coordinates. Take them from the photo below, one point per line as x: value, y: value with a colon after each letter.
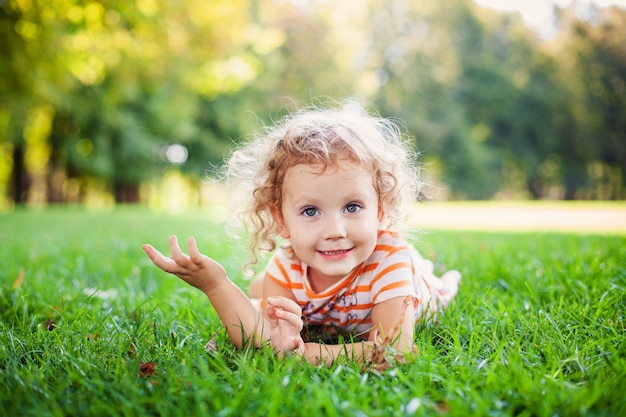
x: 113, y: 101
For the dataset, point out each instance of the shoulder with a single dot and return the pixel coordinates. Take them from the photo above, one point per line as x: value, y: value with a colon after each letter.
x: 391, y: 253
x: 283, y: 266
x: 391, y: 264
x: 390, y: 244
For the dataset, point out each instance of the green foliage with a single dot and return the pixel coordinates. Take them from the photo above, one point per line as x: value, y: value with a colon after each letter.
x: 537, y: 329
x: 484, y: 96
x: 600, y: 91
x: 499, y: 109
x: 124, y: 80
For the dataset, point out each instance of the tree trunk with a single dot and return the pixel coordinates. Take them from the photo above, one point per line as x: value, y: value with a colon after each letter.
x: 19, y: 181
x: 535, y: 187
x: 126, y: 193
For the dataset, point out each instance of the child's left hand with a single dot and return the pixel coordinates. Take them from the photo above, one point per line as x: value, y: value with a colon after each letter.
x: 286, y: 320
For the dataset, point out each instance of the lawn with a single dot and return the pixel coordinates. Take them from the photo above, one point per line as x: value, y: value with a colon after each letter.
x: 88, y: 326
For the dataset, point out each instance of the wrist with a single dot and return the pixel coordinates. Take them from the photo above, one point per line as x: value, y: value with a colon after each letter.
x: 213, y: 288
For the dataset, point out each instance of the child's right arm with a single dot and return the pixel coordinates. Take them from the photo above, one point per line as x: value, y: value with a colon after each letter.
x: 243, y: 321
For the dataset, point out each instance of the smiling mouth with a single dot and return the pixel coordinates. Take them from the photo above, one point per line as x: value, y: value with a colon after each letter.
x: 334, y: 252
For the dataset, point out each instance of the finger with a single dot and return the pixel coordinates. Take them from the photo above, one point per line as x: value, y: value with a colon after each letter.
x: 194, y: 252
x: 150, y: 250
x: 286, y: 304
x: 166, y: 264
x: 175, y: 251
x: 292, y: 320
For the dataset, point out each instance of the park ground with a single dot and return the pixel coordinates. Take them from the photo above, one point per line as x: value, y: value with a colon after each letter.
x: 585, y: 217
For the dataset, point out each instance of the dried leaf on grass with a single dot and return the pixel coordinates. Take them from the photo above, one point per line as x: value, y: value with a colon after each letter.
x: 19, y: 280
x: 146, y: 369
x: 442, y: 408
x: 211, y: 346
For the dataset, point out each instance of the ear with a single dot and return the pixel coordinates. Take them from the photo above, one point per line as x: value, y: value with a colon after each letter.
x: 381, y: 216
x: 280, y: 222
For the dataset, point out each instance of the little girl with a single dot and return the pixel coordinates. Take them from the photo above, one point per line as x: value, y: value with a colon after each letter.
x: 333, y: 184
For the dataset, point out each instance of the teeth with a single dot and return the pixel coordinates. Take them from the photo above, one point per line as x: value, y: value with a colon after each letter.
x: 333, y: 252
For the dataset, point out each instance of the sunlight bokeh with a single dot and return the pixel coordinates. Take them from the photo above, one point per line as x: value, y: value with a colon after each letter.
x: 539, y: 14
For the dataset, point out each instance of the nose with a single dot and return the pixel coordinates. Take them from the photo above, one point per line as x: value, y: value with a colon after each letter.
x: 334, y: 227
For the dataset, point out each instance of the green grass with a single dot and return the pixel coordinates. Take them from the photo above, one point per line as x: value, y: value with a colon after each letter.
x: 537, y: 329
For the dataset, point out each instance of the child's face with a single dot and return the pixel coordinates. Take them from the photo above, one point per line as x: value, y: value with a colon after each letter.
x: 331, y: 217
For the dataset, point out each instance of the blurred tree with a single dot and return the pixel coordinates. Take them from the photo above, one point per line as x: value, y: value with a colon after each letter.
x: 306, y: 52
x: 124, y: 79
x: 480, y: 92
x: 512, y: 93
x: 595, y: 58
x: 434, y: 72
x: 28, y: 76
x: 112, y: 92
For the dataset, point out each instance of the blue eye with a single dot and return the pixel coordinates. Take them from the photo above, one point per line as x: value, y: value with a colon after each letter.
x: 352, y: 208
x: 309, y: 211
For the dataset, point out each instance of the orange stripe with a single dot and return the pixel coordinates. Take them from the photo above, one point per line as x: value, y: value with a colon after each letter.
x: 370, y: 267
x: 279, y: 282
x: 348, y: 281
x: 358, y: 289
x: 393, y: 286
x: 390, y: 268
x: 389, y: 248
x: 282, y: 270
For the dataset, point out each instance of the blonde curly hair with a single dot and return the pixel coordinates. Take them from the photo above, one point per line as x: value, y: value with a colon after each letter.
x: 255, y: 171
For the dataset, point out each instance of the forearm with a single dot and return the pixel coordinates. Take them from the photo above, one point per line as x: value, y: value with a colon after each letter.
x: 242, y: 320
x: 318, y: 353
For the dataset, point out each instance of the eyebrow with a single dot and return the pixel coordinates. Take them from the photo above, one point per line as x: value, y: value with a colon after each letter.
x: 303, y: 199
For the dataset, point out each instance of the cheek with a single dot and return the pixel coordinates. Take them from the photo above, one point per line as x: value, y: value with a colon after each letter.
x: 367, y: 229
x: 377, y: 219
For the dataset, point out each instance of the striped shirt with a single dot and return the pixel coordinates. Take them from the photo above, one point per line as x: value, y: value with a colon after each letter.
x: 394, y: 269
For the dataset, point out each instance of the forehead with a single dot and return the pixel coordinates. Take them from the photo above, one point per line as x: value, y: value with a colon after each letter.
x: 344, y: 169
x: 333, y: 183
